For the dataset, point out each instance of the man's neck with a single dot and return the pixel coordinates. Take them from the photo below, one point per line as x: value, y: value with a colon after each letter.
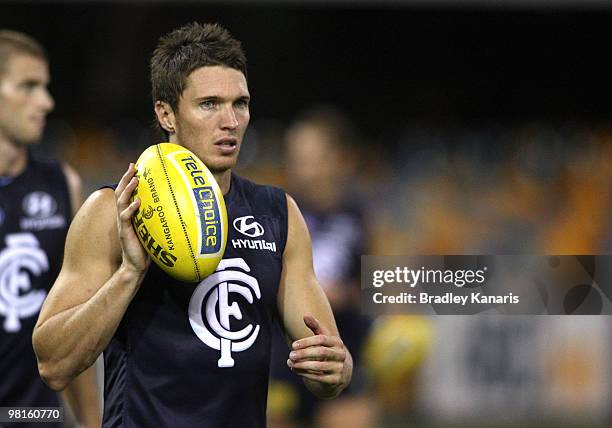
x: 224, y: 180
x: 13, y: 158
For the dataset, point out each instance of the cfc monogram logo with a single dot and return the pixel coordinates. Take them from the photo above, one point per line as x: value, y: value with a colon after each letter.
x: 17, y: 299
x: 212, y: 294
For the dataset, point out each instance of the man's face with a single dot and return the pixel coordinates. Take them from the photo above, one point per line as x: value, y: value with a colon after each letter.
x: 212, y: 116
x: 24, y: 99
x: 313, y: 159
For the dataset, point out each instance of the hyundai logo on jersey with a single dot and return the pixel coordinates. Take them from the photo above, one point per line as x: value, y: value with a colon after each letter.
x: 248, y: 226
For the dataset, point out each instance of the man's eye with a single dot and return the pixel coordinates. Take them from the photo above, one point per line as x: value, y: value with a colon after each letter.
x: 242, y: 103
x: 28, y: 86
x: 208, y: 104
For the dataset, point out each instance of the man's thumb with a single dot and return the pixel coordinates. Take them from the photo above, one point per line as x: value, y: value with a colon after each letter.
x: 314, y: 325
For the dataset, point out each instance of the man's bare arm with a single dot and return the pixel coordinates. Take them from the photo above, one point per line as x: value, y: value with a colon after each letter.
x: 103, y: 267
x: 317, y: 352
x: 81, y: 395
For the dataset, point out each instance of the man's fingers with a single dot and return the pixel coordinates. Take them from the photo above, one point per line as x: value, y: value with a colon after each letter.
x: 127, y: 214
x: 125, y: 179
x: 124, y: 197
x: 326, y: 378
x: 320, y: 358
x: 314, y: 367
x: 319, y: 340
x: 318, y: 353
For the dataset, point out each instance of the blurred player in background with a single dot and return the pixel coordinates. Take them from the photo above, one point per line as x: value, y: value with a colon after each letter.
x: 37, y: 201
x: 108, y: 297
x: 322, y: 155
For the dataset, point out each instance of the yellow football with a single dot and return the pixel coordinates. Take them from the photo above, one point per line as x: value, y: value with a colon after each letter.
x: 396, y: 346
x: 182, y: 220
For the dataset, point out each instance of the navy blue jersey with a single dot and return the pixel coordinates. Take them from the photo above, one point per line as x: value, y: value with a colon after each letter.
x: 338, y: 241
x: 198, y: 355
x: 35, y: 213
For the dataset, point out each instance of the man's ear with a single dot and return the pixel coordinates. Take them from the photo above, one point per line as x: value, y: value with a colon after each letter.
x: 165, y: 116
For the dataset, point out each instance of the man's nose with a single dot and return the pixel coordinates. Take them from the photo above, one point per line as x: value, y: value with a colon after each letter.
x: 45, y: 100
x: 229, y: 120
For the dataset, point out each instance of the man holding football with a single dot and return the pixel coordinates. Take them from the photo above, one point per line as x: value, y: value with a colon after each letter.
x: 109, y: 297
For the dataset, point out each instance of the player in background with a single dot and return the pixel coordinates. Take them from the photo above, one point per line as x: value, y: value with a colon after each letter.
x: 322, y: 155
x: 159, y: 369
x: 37, y: 201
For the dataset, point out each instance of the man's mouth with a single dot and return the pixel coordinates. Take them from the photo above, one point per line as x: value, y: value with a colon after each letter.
x: 38, y: 120
x: 227, y: 145
x: 229, y: 142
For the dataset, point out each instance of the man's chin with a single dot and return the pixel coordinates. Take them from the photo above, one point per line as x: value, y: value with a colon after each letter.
x: 29, y: 140
x: 29, y: 135
x: 218, y: 166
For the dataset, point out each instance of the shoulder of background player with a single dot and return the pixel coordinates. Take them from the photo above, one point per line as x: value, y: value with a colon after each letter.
x: 75, y: 187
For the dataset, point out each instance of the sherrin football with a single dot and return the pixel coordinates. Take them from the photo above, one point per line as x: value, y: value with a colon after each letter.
x: 182, y: 220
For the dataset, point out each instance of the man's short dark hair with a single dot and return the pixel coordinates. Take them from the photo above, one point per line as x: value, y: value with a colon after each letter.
x: 15, y: 43
x: 186, y: 49
x: 340, y: 130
